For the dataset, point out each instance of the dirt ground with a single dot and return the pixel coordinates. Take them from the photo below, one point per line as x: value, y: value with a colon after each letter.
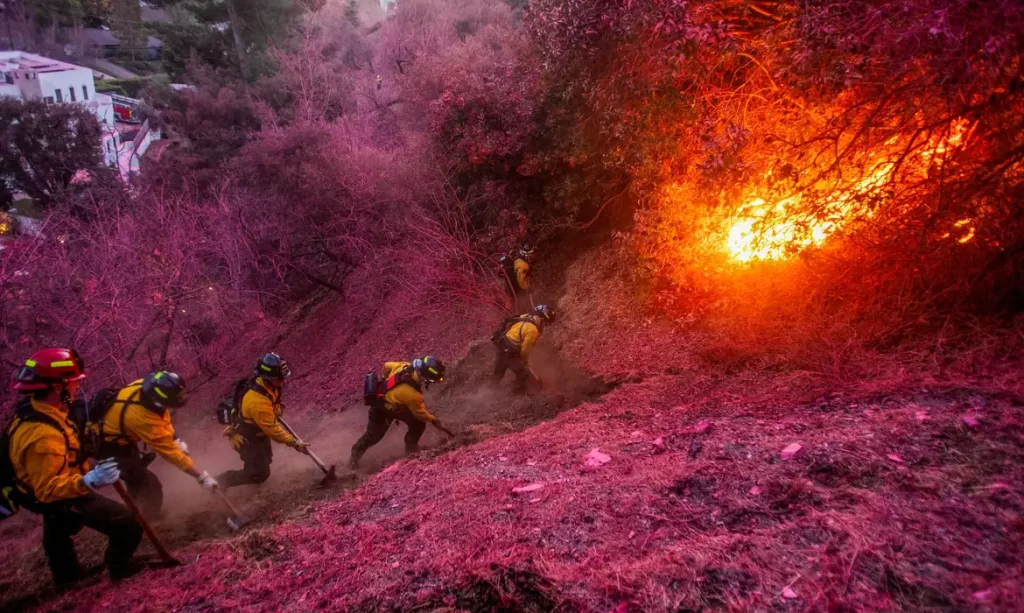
x: 647, y: 475
x: 192, y: 517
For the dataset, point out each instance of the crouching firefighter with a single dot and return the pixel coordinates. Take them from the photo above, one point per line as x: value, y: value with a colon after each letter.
x: 514, y: 343
x: 140, y: 414
x: 398, y: 396
x: 516, y: 272
x: 253, y: 418
x: 42, y: 470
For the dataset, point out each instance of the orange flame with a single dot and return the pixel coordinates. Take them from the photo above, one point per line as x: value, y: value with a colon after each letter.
x: 754, y: 234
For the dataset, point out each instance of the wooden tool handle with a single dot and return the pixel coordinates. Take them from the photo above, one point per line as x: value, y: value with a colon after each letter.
x: 226, y: 502
x: 309, y: 451
x: 129, y: 502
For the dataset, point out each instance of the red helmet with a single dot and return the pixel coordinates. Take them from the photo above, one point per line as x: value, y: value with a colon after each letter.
x: 48, y: 368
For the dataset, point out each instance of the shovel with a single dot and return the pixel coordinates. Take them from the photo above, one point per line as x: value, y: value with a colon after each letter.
x: 165, y: 556
x: 328, y: 472
x: 237, y: 520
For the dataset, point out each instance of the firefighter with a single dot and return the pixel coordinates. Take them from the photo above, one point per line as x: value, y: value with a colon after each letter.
x: 514, y: 344
x: 141, y: 414
x: 50, y: 477
x: 401, y: 399
x: 260, y: 409
x: 517, y: 277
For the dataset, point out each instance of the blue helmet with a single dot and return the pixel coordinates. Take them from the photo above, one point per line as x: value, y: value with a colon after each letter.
x: 164, y: 389
x: 430, y: 368
x: 545, y: 312
x: 272, y: 368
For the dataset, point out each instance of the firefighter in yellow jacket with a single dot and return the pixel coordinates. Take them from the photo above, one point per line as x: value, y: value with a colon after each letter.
x: 517, y: 277
x: 141, y: 415
x: 514, y: 344
x: 260, y: 409
x: 49, y: 477
x: 400, y: 398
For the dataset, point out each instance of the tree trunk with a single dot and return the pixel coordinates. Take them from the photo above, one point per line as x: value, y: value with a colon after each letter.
x: 236, y: 32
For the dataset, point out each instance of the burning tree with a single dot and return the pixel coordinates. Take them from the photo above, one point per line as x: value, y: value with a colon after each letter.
x: 865, y: 152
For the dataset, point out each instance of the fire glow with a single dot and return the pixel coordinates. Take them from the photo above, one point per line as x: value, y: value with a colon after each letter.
x: 775, y: 231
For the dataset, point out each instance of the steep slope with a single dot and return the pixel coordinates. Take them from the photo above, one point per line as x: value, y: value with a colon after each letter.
x: 904, y: 495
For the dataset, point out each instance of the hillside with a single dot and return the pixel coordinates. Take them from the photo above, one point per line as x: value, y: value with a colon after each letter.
x: 904, y: 496
x: 785, y: 244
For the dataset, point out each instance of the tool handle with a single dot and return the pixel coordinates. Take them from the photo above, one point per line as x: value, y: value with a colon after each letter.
x: 285, y: 425
x: 226, y: 502
x: 318, y: 461
x: 129, y: 502
x: 309, y: 451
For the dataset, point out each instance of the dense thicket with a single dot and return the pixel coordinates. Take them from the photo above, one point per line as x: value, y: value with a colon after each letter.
x: 813, y: 179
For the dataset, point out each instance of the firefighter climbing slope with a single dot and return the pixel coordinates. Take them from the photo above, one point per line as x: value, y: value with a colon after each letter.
x: 398, y: 396
x: 42, y: 470
x: 141, y: 414
x: 516, y: 271
x: 254, y: 422
x: 514, y: 343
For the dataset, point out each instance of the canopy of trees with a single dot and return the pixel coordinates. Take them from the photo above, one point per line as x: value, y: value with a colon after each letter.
x: 43, y: 146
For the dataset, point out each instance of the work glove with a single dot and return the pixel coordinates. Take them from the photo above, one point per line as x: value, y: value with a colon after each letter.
x: 105, y: 473
x: 301, y: 447
x: 206, y: 481
x: 182, y: 445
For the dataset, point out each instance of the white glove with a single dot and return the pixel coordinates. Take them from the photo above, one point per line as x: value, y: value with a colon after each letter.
x: 105, y: 473
x: 206, y: 481
x: 181, y: 445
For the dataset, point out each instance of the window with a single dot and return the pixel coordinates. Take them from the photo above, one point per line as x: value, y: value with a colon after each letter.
x: 60, y: 96
x: 48, y: 99
x: 71, y: 90
x: 85, y: 93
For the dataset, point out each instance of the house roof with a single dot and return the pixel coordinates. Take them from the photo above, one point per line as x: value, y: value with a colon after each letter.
x: 23, y: 60
x: 105, y: 38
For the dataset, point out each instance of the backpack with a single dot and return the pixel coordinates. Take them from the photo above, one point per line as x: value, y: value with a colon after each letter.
x: 508, y: 268
x: 374, y: 389
x: 13, y: 494
x: 229, y: 410
x: 88, y: 418
x: 498, y: 338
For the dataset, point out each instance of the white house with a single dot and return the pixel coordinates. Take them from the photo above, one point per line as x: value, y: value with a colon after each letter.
x: 27, y: 76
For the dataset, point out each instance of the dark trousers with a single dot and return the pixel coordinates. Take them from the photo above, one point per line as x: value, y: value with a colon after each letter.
x: 506, y: 359
x: 142, y: 484
x: 256, y: 454
x: 377, y: 427
x: 64, y: 519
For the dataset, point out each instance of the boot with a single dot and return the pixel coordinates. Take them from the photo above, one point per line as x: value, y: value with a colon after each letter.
x: 128, y: 569
x: 353, y: 461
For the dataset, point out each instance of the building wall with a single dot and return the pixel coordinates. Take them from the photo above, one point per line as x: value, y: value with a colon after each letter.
x: 67, y: 81
x: 10, y: 91
x: 28, y: 81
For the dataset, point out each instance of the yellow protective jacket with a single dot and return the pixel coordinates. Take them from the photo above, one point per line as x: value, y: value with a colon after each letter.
x: 406, y: 395
x: 142, y: 425
x: 524, y: 334
x: 522, y: 268
x: 263, y: 411
x: 43, y: 460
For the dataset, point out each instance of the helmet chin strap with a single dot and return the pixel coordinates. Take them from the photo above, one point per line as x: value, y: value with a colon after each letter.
x: 65, y: 396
